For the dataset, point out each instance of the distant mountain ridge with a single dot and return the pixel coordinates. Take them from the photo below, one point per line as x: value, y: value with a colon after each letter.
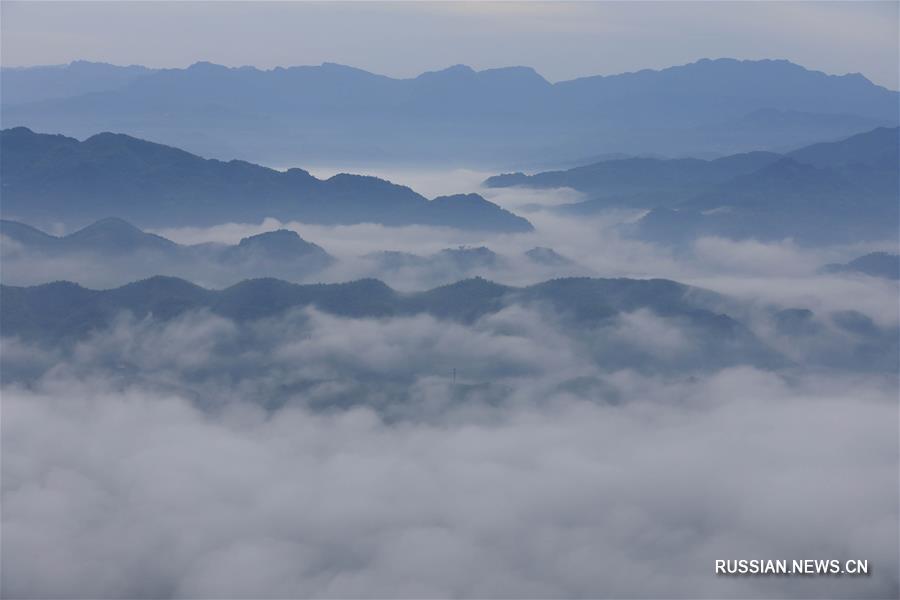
x: 53, y: 178
x: 848, y: 191
x: 333, y: 112
x: 875, y: 264
x: 120, y: 250
x: 878, y: 148
x: 36, y: 84
x: 831, y: 192
x: 620, y: 178
x: 116, y: 237
x: 111, y: 252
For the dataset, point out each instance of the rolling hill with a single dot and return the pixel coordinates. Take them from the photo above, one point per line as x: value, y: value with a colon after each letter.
x: 50, y: 179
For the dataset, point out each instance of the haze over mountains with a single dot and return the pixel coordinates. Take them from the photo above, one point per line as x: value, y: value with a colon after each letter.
x: 831, y: 192
x: 333, y: 113
x: 117, y: 250
x: 224, y: 380
x: 115, y: 238
x: 112, y: 252
x: 51, y: 179
x: 64, y: 313
x: 875, y: 264
x: 33, y: 84
x: 825, y: 193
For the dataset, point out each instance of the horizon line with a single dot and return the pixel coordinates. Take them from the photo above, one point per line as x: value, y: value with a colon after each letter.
x: 439, y: 70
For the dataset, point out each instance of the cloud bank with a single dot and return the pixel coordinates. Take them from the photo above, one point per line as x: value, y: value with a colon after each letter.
x: 314, y: 456
x: 134, y: 493
x: 308, y: 455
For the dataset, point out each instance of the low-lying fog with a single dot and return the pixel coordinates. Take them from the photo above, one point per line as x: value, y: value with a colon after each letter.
x: 318, y: 456
x: 782, y: 273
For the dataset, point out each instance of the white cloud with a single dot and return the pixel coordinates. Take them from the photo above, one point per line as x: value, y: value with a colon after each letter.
x: 125, y: 493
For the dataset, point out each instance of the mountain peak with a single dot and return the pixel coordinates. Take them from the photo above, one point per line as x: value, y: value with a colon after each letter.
x: 205, y: 65
x: 20, y: 131
x: 110, y: 224
x: 278, y: 234
x: 113, y: 234
x: 109, y: 135
x: 454, y: 71
x: 458, y: 68
x: 472, y: 287
x: 280, y: 239
x: 281, y: 243
x: 107, y: 138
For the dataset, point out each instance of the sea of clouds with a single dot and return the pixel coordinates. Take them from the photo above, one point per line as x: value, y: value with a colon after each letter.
x: 309, y: 455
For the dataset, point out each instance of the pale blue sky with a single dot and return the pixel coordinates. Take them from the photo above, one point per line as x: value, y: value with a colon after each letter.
x: 561, y: 40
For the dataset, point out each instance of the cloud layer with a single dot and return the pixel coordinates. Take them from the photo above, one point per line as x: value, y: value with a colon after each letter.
x: 308, y: 455
x: 134, y: 493
x: 314, y: 456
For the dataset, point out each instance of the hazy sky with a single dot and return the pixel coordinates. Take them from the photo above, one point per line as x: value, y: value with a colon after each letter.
x: 561, y: 40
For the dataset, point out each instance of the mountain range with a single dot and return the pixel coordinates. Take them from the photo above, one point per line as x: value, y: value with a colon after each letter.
x: 28, y: 310
x: 22, y: 85
x: 831, y: 192
x: 112, y: 251
x: 332, y: 112
x: 51, y: 179
x: 63, y: 313
x: 116, y: 237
